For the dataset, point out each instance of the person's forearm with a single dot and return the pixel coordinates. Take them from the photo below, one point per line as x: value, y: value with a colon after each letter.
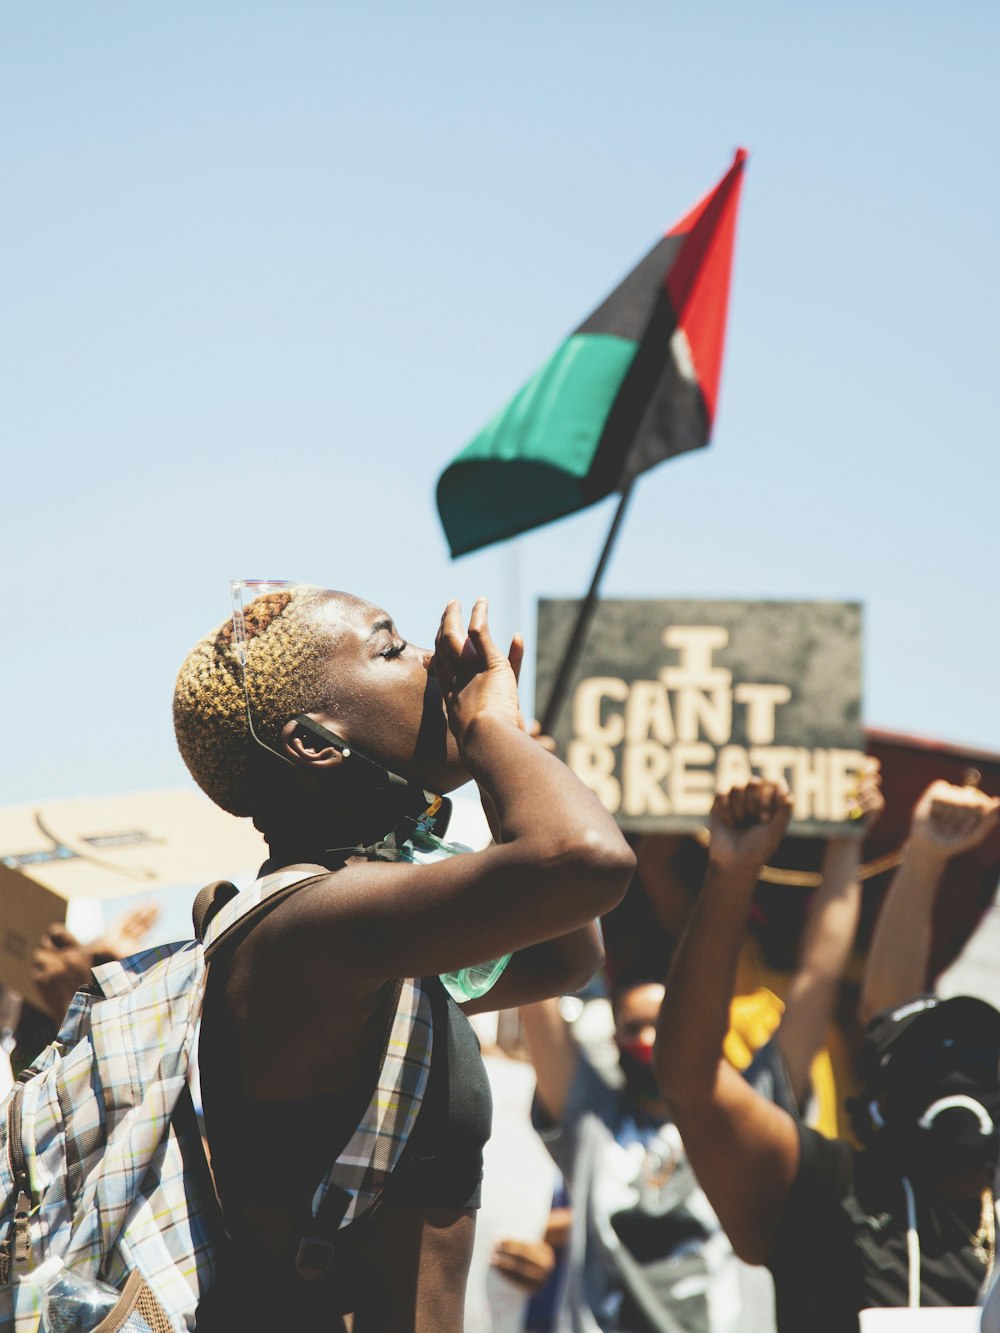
x: 535, y: 796
x: 664, y: 887
x: 553, y: 1052
x: 564, y: 964
x: 896, y: 969
x: 827, y: 941
x: 828, y: 935
x: 552, y: 968
x: 694, y: 1016
x: 555, y: 967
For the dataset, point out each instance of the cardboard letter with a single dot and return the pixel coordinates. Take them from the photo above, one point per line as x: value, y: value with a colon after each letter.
x: 643, y: 766
x: 692, y: 789
x: 811, y: 784
x: 696, y: 643
x: 733, y: 768
x: 845, y: 765
x: 761, y: 701
x: 772, y: 761
x: 587, y: 700
x: 647, y: 713
x: 700, y: 711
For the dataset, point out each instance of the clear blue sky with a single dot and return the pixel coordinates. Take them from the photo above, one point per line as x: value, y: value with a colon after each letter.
x: 269, y: 266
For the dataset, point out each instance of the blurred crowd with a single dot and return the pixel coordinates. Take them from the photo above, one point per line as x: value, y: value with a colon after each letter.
x: 742, y: 1145
x: 738, y: 1138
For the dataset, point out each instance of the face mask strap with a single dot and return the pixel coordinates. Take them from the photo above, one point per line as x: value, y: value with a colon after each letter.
x: 426, y: 814
x: 255, y: 588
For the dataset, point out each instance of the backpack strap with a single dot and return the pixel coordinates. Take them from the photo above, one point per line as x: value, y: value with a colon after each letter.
x: 208, y: 902
x: 368, y: 1159
x: 267, y: 892
x: 353, y: 1186
x: 247, y: 907
x: 319, y: 1234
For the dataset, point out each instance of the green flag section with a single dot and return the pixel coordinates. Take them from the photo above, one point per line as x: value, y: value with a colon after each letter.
x: 636, y: 383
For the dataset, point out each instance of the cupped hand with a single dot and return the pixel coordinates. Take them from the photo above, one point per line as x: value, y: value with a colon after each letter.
x: 477, y: 680
x: 949, y: 820
x: 747, y: 825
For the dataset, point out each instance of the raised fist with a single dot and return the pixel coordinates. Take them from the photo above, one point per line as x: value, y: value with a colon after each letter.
x: 748, y: 823
x: 949, y: 820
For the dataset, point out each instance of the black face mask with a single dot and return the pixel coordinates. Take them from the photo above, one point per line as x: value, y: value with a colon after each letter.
x: 407, y: 810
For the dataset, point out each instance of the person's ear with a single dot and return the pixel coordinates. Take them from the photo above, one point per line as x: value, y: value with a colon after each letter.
x: 306, y: 743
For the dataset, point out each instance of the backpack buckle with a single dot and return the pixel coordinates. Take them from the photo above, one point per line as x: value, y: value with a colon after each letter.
x: 313, y: 1257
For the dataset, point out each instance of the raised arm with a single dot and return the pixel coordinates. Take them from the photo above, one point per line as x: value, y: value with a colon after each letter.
x: 947, y: 820
x: 554, y: 1054
x: 827, y: 941
x: 559, y: 861
x: 744, y: 1149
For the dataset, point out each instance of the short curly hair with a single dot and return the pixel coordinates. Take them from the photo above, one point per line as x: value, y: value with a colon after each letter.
x: 286, y: 662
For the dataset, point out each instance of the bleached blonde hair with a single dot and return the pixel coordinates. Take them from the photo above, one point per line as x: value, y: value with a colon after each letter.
x: 286, y: 657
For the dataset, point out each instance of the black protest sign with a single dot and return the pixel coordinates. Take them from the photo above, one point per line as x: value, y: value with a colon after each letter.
x: 674, y: 700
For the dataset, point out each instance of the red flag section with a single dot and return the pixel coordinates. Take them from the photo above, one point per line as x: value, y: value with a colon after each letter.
x: 698, y: 282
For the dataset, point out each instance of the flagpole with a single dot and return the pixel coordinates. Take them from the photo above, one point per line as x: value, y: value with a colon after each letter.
x: 584, y: 616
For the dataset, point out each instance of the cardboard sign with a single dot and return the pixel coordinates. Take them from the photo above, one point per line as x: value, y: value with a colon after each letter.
x: 83, y: 861
x: 673, y: 701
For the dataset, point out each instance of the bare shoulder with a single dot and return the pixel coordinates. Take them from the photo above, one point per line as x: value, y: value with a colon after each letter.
x: 361, y: 924
x: 303, y: 1019
x: 311, y: 926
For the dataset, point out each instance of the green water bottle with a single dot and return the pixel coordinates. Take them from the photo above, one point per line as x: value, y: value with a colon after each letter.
x: 468, y: 983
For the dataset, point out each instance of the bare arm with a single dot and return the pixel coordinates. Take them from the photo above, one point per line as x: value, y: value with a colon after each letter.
x: 544, y: 971
x: 554, y: 1054
x: 947, y: 821
x: 559, y: 862
x: 379, y: 921
x: 744, y: 1149
x: 555, y: 967
x: 827, y: 941
x: 666, y: 891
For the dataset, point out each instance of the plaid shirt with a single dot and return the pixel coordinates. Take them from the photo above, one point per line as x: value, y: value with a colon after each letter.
x: 120, y: 1185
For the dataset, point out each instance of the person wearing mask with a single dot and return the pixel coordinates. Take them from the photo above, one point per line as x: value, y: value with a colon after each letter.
x: 312, y: 714
x: 645, y: 1251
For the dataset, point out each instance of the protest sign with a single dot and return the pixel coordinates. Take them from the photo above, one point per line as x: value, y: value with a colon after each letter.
x: 88, y: 860
x: 674, y: 700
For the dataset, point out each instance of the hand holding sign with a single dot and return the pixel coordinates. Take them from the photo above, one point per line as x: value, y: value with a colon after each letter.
x: 868, y: 797
x: 747, y: 825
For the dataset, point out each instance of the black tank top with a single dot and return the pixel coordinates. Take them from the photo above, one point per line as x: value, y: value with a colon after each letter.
x: 275, y: 1152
